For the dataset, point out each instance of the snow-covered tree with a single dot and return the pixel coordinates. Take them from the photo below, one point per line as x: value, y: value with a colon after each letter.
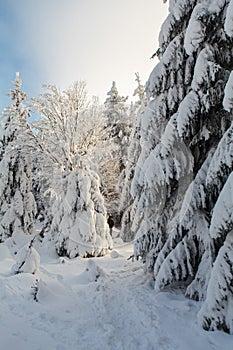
x: 118, y: 124
x: 217, y: 310
x: 79, y: 225
x: 127, y: 202
x: 17, y: 205
x: 186, y: 157
x: 43, y: 189
x: 117, y: 119
x: 69, y: 124
x: 68, y: 133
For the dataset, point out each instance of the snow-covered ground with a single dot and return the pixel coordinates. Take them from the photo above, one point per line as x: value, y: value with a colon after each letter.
x: 99, y: 303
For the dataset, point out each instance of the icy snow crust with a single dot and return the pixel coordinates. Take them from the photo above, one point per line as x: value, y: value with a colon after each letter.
x: 99, y: 303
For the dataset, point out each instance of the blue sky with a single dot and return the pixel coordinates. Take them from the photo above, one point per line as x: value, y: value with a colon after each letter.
x: 61, y: 41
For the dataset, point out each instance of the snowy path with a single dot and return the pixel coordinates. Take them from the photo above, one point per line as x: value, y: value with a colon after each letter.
x: 102, y: 303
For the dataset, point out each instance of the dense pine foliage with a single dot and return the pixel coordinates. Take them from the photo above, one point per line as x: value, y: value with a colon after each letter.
x: 184, y: 173
x: 17, y: 204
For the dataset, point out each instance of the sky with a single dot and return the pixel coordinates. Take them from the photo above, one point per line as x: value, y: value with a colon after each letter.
x: 62, y: 41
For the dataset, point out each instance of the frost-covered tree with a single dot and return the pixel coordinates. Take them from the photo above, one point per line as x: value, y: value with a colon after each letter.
x: 186, y: 158
x: 69, y: 124
x: 43, y: 189
x: 216, y: 312
x: 117, y: 119
x: 118, y: 124
x: 79, y: 225
x: 68, y: 132
x: 127, y: 202
x: 17, y: 204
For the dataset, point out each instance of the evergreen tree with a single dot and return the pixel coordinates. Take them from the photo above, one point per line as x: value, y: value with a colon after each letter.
x: 127, y: 202
x: 186, y: 158
x: 117, y: 119
x: 43, y: 189
x: 79, y: 225
x: 118, y: 125
x: 17, y: 205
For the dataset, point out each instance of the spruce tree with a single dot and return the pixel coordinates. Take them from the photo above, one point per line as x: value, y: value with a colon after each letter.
x: 17, y: 204
x: 118, y: 125
x: 186, y: 159
x: 127, y: 201
x: 79, y: 226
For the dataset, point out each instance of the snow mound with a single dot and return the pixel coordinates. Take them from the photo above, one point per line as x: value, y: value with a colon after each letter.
x: 47, y: 292
x: 62, y: 260
x: 92, y: 273
x: 17, y: 241
x: 115, y: 254
x: 27, y: 260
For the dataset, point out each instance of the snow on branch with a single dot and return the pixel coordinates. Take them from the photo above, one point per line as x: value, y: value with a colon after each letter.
x: 178, y: 12
x: 195, y: 32
x: 222, y: 217
x: 228, y: 25
x: 171, y: 60
x: 228, y: 96
x: 205, y: 69
x: 222, y: 161
x: 216, y: 312
x: 188, y: 110
x: 178, y: 265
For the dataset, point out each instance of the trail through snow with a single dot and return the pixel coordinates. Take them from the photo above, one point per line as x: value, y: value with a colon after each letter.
x: 99, y: 303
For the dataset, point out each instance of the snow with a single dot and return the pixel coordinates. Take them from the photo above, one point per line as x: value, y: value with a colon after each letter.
x: 217, y: 310
x: 205, y: 69
x: 166, y: 29
x: 228, y: 94
x: 222, y: 216
x: 229, y: 20
x: 180, y: 7
x: 27, y: 260
x: 178, y: 11
x: 170, y: 62
x: 216, y: 6
x: 98, y: 303
x: 195, y: 31
x: 222, y: 161
x: 187, y: 111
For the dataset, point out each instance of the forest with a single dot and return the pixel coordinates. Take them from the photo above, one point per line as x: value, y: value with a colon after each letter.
x: 159, y: 164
